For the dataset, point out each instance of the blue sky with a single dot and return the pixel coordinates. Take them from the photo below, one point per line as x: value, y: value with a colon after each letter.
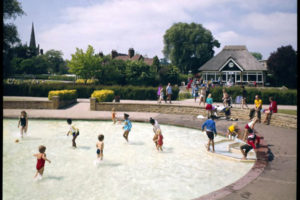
x: 65, y: 25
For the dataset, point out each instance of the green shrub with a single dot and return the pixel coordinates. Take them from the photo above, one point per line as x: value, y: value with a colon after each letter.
x: 63, y: 94
x: 80, y: 81
x: 83, y: 91
x: 103, y: 95
x: 184, y: 95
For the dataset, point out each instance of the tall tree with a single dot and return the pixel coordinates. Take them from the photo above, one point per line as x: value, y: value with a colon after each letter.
x: 257, y: 55
x: 282, y: 64
x: 11, y: 9
x: 189, y: 46
x: 85, y: 64
x: 55, y: 59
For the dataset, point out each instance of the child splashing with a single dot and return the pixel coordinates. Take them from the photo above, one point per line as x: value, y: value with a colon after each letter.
x: 23, y: 121
x: 127, y: 126
x: 41, y: 158
x: 159, y: 140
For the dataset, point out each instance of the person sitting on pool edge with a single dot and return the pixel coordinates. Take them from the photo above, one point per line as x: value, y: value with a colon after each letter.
x: 127, y: 126
x: 100, y: 147
x: 74, y: 131
x: 210, y: 126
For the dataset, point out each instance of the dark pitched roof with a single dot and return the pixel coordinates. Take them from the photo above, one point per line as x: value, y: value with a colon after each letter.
x: 136, y: 57
x: 239, y: 54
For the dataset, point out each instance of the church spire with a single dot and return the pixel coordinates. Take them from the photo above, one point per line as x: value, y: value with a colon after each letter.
x: 32, y: 38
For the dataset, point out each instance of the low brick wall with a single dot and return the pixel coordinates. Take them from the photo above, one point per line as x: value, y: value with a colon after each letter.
x: 278, y: 119
x: 55, y: 103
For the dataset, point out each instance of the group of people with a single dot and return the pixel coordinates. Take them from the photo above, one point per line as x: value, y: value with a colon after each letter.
x: 160, y: 93
x: 250, y: 137
x: 74, y: 131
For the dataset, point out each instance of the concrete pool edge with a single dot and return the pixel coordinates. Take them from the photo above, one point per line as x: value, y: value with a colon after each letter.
x: 255, y: 171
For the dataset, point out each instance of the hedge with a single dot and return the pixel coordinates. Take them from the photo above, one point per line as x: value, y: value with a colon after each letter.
x: 282, y: 97
x: 103, y: 95
x: 63, y: 94
x: 83, y: 91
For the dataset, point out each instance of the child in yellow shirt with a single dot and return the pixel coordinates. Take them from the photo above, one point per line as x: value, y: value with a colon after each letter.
x: 233, y: 131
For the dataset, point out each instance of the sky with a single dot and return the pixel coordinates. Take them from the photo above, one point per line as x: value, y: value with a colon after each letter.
x: 64, y: 25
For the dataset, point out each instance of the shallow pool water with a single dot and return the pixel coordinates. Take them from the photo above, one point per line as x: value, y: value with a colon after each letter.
x: 133, y: 170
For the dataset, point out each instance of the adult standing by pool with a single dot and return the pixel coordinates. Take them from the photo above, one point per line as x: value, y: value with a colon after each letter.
x: 169, y: 91
x: 210, y: 127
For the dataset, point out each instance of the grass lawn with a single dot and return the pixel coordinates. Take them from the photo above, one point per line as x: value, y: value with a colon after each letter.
x: 290, y: 112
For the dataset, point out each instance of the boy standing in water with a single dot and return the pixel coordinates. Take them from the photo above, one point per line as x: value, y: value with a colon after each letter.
x: 41, y: 158
x: 127, y: 126
x: 210, y: 131
x: 113, y: 115
x: 100, y: 147
x: 74, y: 131
x: 23, y: 121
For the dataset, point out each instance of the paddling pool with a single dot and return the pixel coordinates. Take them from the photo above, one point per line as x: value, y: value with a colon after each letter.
x: 133, y: 170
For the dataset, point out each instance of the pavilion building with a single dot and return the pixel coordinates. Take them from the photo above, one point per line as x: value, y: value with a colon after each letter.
x: 234, y: 63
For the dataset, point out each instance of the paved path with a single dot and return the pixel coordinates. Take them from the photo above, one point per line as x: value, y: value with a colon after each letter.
x: 278, y: 180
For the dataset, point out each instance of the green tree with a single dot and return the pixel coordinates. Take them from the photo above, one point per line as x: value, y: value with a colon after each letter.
x: 168, y: 74
x: 55, y: 60
x: 156, y: 64
x: 282, y: 64
x: 257, y: 55
x: 85, y: 64
x: 34, y: 65
x: 11, y: 9
x: 189, y: 46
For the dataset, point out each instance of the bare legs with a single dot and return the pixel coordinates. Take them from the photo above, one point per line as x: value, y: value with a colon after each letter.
x: 125, y: 135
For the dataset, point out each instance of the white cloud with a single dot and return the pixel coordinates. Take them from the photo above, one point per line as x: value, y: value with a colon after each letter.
x: 141, y: 24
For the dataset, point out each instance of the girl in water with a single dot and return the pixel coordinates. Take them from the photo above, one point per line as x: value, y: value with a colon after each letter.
x: 41, y: 158
x: 23, y: 121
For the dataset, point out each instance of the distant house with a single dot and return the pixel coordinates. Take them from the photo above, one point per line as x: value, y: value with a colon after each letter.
x: 234, y: 63
x: 131, y: 56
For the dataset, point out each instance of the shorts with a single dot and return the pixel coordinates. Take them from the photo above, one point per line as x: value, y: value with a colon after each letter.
x: 195, y: 95
x: 75, y: 134
x: 249, y: 129
x: 210, y: 135
x: 247, y: 148
x: 208, y: 107
x: 202, y: 96
x: 98, y: 151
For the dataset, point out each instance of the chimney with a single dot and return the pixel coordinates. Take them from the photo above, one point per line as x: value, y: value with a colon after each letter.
x: 131, y: 52
x: 114, y: 54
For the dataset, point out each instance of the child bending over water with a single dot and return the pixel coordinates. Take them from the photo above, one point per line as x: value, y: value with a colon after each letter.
x: 41, y: 158
x: 159, y: 140
x: 232, y: 131
x: 100, y: 147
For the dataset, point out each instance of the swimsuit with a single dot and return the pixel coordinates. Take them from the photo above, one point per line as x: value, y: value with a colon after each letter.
x: 98, y: 151
x: 40, y: 163
x: 160, y: 140
x: 23, y: 121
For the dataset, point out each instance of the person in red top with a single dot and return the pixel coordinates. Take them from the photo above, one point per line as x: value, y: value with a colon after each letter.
x: 252, y: 140
x: 272, y: 109
x: 159, y: 140
x: 41, y: 158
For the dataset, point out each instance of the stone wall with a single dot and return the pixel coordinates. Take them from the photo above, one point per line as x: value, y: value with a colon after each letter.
x: 278, y: 119
x: 55, y: 103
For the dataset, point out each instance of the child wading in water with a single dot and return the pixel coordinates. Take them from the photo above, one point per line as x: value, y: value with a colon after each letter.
x: 159, y: 140
x: 23, y: 121
x: 113, y: 115
x: 233, y: 131
x: 127, y: 126
x: 74, y: 131
x: 41, y: 158
x: 100, y: 147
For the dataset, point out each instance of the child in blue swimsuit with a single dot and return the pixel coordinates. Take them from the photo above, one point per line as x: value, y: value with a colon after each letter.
x: 127, y: 126
x: 100, y: 147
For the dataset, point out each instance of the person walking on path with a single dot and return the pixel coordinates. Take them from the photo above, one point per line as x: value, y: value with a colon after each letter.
x: 158, y: 93
x: 272, y: 109
x: 210, y: 127
x: 169, y: 92
x: 257, y: 108
x: 244, y: 97
x: 195, y: 91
